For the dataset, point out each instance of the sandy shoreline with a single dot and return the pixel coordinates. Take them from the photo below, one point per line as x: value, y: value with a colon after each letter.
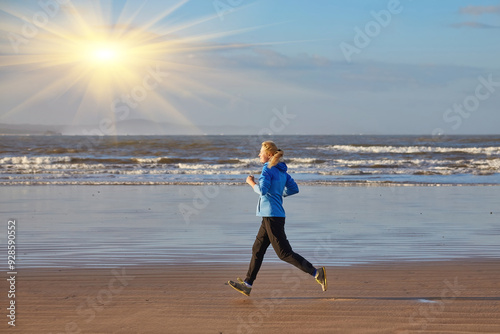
x: 85, y: 227
x: 406, y: 297
x: 170, y: 267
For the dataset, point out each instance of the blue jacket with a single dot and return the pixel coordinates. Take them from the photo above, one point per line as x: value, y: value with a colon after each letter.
x: 274, y: 184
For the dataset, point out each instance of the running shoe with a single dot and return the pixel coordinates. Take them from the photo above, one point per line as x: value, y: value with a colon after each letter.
x: 241, y: 287
x: 321, y: 278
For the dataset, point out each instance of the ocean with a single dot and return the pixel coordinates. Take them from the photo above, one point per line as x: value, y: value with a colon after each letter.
x: 226, y: 159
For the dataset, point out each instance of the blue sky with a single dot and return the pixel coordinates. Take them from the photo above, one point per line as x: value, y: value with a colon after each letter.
x: 334, y: 67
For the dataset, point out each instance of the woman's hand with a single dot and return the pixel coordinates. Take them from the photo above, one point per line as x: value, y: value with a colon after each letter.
x: 251, y: 180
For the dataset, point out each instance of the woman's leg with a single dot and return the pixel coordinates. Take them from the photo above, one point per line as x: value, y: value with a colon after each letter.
x: 258, y: 250
x: 275, y: 227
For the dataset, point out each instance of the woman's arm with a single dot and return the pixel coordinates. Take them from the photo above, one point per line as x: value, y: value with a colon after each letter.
x: 291, y: 187
x: 264, y: 184
x: 253, y: 184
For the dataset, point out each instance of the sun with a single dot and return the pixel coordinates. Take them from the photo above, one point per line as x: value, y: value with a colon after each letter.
x: 105, y: 55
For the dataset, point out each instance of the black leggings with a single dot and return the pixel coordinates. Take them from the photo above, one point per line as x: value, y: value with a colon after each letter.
x: 272, y: 232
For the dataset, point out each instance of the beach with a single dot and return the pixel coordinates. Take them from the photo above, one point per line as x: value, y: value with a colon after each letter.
x: 96, y: 226
x: 155, y: 259
x: 461, y: 296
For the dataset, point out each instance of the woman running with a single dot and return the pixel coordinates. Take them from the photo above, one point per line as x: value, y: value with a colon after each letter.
x: 274, y: 184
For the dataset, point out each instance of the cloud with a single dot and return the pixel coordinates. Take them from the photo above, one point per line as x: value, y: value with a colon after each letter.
x: 247, y: 56
x: 480, y: 10
x: 477, y: 11
x: 474, y: 25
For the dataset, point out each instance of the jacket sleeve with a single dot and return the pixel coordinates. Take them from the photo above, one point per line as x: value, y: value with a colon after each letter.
x: 262, y: 187
x: 291, y: 187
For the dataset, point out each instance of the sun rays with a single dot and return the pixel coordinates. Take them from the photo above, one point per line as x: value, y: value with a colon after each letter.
x: 76, y: 50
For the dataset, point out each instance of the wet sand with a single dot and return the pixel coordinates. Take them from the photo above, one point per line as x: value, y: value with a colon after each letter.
x: 458, y: 296
x: 96, y: 226
x: 120, y: 259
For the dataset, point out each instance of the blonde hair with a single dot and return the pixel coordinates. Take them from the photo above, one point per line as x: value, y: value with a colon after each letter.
x: 271, y: 148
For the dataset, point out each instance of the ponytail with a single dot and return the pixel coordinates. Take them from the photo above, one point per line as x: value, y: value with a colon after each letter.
x: 276, y: 158
x: 276, y: 153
